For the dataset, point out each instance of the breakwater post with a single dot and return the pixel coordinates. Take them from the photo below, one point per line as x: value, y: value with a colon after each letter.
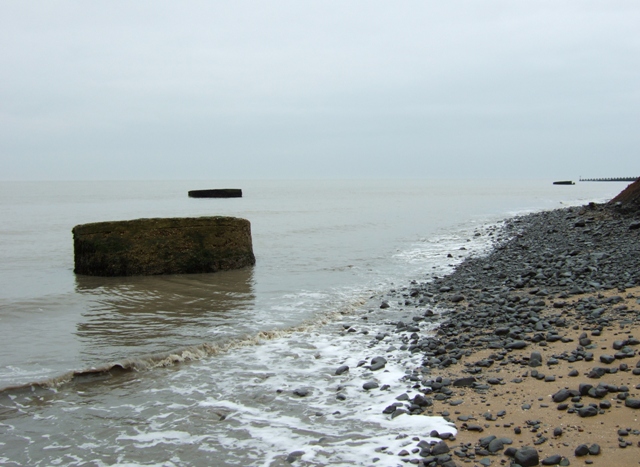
x: 611, y: 179
x: 162, y: 246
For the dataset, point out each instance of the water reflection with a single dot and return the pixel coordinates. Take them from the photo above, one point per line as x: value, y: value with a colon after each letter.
x: 160, y: 313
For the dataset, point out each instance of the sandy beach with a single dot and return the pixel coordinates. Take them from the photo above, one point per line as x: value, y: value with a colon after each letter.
x: 528, y: 405
x: 536, y: 359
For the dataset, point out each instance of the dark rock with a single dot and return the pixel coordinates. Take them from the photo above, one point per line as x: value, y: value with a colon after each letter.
x: 440, y: 448
x: 617, y: 345
x: 581, y: 450
x: 474, y: 427
x: 597, y: 373
x: 294, y: 456
x: 422, y: 401
x: 516, y: 345
x: 464, y: 382
x: 584, y: 388
x: 389, y: 409
x: 342, y: 369
x: 495, y: 445
x: 605, y: 404
x: 552, y: 460
x: 484, y: 442
x: 535, y: 360
x: 588, y: 411
x: 377, y: 363
x: 632, y: 403
x: 608, y: 359
x: 561, y: 396
x: 527, y: 456
x: 510, y: 452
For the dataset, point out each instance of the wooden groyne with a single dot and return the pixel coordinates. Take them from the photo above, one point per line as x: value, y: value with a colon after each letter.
x: 613, y: 179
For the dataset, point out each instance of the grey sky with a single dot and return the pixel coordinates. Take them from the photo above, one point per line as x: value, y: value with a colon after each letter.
x: 308, y: 89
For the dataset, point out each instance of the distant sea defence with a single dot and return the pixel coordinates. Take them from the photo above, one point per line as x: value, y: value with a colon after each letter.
x: 216, y: 193
x: 162, y: 246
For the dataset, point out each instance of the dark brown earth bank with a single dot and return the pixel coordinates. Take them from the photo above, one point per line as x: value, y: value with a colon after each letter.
x: 629, y: 199
x: 536, y: 358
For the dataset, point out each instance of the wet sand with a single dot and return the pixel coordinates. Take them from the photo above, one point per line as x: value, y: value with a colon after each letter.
x: 527, y: 399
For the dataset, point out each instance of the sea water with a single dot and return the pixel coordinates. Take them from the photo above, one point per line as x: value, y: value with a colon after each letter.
x: 218, y: 358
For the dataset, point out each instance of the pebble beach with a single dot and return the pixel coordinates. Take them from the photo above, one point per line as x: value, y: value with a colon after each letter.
x: 535, y: 358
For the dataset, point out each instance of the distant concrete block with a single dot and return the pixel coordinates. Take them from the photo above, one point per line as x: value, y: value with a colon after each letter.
x: 162, y: 246
x: 216, y: 193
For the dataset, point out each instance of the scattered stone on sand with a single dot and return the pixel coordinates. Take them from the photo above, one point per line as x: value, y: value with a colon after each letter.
x: 537, y: 339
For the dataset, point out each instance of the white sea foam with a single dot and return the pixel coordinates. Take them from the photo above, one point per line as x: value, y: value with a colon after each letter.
x: 214, y: 360
x: 262, y: 415
x: 145, y: 440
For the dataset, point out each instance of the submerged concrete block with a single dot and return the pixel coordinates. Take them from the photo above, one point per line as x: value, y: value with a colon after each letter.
x: 162, y: 246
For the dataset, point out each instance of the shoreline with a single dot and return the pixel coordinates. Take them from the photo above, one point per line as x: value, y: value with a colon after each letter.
x: 553, y: 309
x: 484, y: 320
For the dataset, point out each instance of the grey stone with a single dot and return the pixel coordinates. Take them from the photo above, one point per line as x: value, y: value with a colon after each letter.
x: 581, y: 450
x: 439, y: 448
x: 516, y: 345
x: 588, y: 411
x: 495, y: 445
x: 552, y: 460
x: 527, y: 456
x: 608, y: 359
x: 535, y: 360
x: 464, y: 382
x: 561, y: 396
x: 632, y: 403
x: 377, y: 363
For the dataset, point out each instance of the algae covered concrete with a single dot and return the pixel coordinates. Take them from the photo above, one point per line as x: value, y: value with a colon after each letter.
x: 162, y: 246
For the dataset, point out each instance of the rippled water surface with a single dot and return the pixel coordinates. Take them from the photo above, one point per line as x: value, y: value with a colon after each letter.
x: 217, y: 356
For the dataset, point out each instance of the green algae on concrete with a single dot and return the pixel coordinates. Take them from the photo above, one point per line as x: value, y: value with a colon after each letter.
x: 162, y: 246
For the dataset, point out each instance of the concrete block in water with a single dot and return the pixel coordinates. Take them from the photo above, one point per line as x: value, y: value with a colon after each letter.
x: 162, y: 246
x: 216, y: 193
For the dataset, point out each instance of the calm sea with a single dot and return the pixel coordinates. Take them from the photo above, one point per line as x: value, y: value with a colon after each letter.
x: 218, y: 356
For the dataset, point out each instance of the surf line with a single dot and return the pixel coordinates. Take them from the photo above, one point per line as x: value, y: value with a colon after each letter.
x: 184, y: 355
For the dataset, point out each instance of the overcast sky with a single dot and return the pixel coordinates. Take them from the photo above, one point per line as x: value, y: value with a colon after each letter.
x: 318, y: 89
